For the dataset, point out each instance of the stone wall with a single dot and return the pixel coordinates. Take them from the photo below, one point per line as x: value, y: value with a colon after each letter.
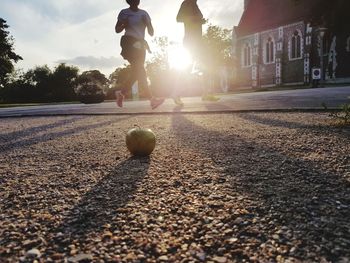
x: 282, y: 69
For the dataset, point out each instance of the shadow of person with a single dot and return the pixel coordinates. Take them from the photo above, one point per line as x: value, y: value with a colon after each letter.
x: 314, y: 127
x: 33, y: 130
x: 100, y: 205
x: 49, y: 135
x: 294, y: 201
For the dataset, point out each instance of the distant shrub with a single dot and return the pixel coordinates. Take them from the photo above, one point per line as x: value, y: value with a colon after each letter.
x: 341, y: 117
x: 91, y: 87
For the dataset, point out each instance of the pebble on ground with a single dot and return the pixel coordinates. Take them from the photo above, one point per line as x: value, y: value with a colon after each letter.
x: 243, y: 187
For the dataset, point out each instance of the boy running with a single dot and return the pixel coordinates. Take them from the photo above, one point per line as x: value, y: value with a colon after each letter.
x: 135, y: 21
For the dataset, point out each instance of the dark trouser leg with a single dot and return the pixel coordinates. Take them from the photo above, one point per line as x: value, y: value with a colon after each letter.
x: 138, y: 73
x: 142, y: 79
x: 131, y: 80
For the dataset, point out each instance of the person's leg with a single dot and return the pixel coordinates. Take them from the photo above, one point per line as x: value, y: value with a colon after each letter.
x: 207, y: 89
x: 203, y: 68
x: 141, y: 77
x: 182, y: 78
x: 176, y: 90
x: 120, y: 95
x: 178, y: 81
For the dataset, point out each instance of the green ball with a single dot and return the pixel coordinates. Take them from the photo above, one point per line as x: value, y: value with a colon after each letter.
x: 140, y: 142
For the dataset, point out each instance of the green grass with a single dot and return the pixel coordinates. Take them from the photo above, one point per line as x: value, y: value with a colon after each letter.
x: 12, y: 105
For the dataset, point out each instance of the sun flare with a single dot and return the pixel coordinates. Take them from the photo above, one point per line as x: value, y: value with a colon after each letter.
x: 179, y: 58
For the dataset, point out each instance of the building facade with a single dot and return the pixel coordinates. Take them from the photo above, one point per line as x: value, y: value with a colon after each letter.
x: 280, y: 43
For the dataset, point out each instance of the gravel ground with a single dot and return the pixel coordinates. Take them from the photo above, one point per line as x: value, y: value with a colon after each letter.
x: 249, y: 187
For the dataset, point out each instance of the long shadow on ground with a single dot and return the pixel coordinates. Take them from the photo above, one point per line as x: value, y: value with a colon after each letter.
x: 35, y: 139
x: 5, y: 137
x: 289, y: 201
x: 102, y: 204
x: 310, y: 127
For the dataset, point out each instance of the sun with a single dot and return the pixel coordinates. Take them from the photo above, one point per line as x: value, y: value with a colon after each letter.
x: 179, y: 58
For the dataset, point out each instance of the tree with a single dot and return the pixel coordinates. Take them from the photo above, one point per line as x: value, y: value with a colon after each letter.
x: 41, y: 84
x: 92, y: 86
x: 7, y: 55
x: 157, y: 67
x: 334, y: 15
x: 40, y: 81
x: 17, y: 91
x: 330, y: 14
x: 94, y: 76
x: 31, y: 86
x: 216, y: 47
x: 63, y: 83
x: 159, y: 59
x: 216, y: 54
x: 118, y: 79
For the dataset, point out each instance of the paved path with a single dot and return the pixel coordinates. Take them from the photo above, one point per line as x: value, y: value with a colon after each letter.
x: 270, y: 100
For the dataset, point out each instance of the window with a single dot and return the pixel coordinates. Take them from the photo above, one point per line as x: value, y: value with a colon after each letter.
x: 295, y: 49
x: 247, y: 56
x: 269, y: 51
x: 348, y: 44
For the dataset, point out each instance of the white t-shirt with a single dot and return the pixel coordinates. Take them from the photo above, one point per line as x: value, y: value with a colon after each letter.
x: 137, y: 22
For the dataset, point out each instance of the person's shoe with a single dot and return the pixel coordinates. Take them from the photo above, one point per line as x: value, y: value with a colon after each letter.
x: 178, y: 101
x: 210, y: 97
x: 119, y: 99
x: 155, y: 102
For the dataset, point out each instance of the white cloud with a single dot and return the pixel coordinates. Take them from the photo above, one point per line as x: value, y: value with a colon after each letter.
x: 224, y: 15
x: 104, y: 64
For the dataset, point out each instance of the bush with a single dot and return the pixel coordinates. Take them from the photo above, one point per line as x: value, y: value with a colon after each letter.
x: 341, y: 117
x: 91, y: 87
x: 90, y: 92
x: 90, y: 99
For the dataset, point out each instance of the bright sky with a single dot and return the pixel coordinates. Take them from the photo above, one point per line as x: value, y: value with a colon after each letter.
x: 81, y: 32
